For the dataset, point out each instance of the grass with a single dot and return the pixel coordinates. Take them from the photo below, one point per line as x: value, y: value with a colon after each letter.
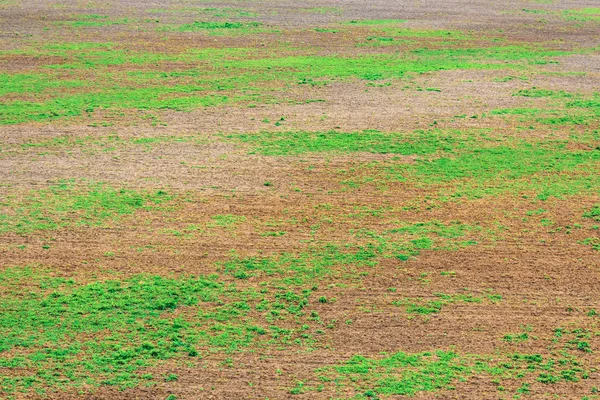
x: 98, y: 143
x: 323, y: 10
x: 566, y: 108
x: 34, y: 83
x: 593, y: 242
x: 589, y: 14
x: 190, y: 87
x: 582, y: 15
x: 438, y: 371
x: 386, y: 34
x: 400, y: 374
x: 593, y: 213
x: 467, y: 161
x: 135, y: 326
x: 425, y: 307
x: 119, y: 98
x: 102, y: 333
x: 216, y: 28
x: 303, y: 267
x: 339, y: 231
x: 324, y: 259
x: 214, y: 12
x: 129, y: 320
x: 110, y: 331
x: 534, y: 169
x: 63, y: 334
x: 504, y: 163
x: 298, y: 143
x: 535, y: 92
x: 71, y: 204
x: 227, y: 221
x: 371, y: 22
x: 94, y: 21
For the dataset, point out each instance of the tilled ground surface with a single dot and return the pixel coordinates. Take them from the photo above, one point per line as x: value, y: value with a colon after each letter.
x: 275, y: 199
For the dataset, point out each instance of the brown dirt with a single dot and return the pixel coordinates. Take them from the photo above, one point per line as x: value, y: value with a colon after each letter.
x: 547, y: 279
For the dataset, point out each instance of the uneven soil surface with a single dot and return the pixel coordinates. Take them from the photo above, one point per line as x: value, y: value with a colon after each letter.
x: 313, y: 200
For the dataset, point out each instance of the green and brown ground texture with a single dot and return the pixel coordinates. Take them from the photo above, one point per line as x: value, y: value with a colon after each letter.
x: 313, y: 200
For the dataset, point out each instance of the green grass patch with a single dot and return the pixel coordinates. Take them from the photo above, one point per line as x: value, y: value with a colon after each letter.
x: 593, y: 242
x: 35, y: 83
x: 467, y: 161
x: 582, y: 15
x: 323, y: 10
x: 95, y: 21
x: 399, y: 374
x: 152, y: 98
x: 59, y: 334
x: 542, y: 169
x: 371, y: 22
x: 410, y: 374
x: 302, y: 267
x: 101, y: 333
x: 474, y: 164
x: 578, y: 15
x: 297, y: 143
x: 71, y: 204
x: 369, y: 248
x: 440, y: 300
x: 225, y: 76
x: 593, y: 213
x: 226, y: 221
x: 216, y: 25
x: 505, y: 162
x: 398, y: 34
x: 535, y: 92
x: 216, y: 12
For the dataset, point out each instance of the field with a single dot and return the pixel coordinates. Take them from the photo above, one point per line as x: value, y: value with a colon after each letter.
x: 268, y: 199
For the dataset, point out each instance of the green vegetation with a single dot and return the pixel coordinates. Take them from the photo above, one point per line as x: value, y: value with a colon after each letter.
x: 296, y: 143
x: 369, y: 22
x: 469, y: 161
x: 353, y: 180
x: 593, y: 213
x: 535, y: 92
x: 390, y: 35
x: 130, y: 323
x: 575, y: 109
x: 34, y: 83
x: 323, y: 10
x: 399, y: 374
x: 214, y: 12
x: 190, y: 86
x: 405, y: 374
x: 582, y: 15
x: 578, y: 15
x: 537, y: 170
x: 150, y: 98
x: 303, y: 267
x: 505, y: 162
x: 593, y: 242
x: 94, y: 20
x: 401, y: 243
x: 227, y: 220
x: 108, y: 332
x: 408, y: 374
x: 424, y: 306
x: 216, y: 28
x: 73, y: 204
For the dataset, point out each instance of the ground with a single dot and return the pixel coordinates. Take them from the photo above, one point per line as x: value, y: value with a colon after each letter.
x: 314, y: 200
